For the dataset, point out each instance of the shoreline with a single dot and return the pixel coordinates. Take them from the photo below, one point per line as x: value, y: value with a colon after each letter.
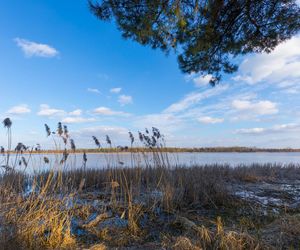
x: 161, y: 150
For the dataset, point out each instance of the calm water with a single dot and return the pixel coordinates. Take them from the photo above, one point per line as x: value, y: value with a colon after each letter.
x: 36, y: 162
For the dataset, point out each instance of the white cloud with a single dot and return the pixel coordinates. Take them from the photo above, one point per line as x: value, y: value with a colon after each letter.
x: 167, y: 123
x: 94, y: 90
x: 115, y: 90
x: 45, y: 110
x: 210, y: 120
x: 281, y: 64
x: 77, y: 119
x: 18, y: 110
x: 83, y: 136
x: 282, y: 128
x: 202, y: 80
x: 76, y: 112
x: 198, y: 80
x: 255, y: 108
x: 250, y: 131
x: 31, y: 49
x: 118, y: 135
x: 125, y: 99
x: 103, y: 130
x: 108, y: 112
x: 194, y: 98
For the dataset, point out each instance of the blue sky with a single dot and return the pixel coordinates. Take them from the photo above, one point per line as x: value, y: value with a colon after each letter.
x: 59, y: 63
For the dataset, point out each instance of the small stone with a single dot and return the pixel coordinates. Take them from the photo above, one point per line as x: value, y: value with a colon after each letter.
x: 97, y: 220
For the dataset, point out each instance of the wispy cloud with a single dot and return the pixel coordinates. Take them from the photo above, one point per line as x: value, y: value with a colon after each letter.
x: 167, y: 123
x: 210, y: 120
x: 202, y: 80
x: 291, y: 127
x: 19, y: 110
x: 76, y: 112
x: 118, y: 135
x: 198, y: 79
x: 77, y: 119
x: 94, y: 90
x: 31, y: 49
x: 262, y: 107
x: 108, y: 112
x: 115, y: 90
x: 281, y: 65
x: 45, y: 110
x: 194, y: 98
x: 125, y: 99
x: 103, y: 131
x: 65, y: 117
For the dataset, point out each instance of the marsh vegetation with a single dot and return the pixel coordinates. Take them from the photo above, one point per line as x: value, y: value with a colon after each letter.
x: 157, y: 206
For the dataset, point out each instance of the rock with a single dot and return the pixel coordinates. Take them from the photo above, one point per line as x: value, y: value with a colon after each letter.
x: 98, y: 247
x: 97, y: 220
x: 113, y: 223
x: 186, y: 223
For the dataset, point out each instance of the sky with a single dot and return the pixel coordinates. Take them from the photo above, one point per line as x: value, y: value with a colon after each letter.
x: 59, y: 63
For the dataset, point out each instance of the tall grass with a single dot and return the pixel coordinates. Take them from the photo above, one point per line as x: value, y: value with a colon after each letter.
x: 37, y: 210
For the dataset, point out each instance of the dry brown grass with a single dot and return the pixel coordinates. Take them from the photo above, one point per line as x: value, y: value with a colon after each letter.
x: 40, y: 220
x: 165, y: 195
x: 284, y: 232
x: 217, y: 237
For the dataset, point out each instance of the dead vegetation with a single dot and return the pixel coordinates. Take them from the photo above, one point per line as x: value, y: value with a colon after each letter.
x: 180, y: 208
x: 153, y: 207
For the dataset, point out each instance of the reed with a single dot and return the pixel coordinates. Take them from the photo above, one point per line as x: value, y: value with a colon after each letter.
x: 156, y: 205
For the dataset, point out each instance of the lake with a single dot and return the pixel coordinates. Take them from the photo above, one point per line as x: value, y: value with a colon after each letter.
x: 36, y: 161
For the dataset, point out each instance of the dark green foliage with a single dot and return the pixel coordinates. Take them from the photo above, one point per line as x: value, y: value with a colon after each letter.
x: 7, y: 123
x: 204, y: 34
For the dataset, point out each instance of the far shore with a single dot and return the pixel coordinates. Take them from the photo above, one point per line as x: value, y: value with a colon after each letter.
x: 126, y: 150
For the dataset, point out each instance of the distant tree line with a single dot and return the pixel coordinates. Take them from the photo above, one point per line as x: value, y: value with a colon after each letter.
x: 121, y: 149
